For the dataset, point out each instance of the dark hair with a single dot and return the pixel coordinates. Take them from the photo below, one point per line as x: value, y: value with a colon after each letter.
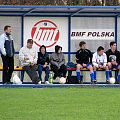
x: 100, y: 48
x: 6, y: 27
x: 57, y: 47
x: 42, y: 46
x: 82, y: 43
x: 112, y: 43
x: 30, y: 41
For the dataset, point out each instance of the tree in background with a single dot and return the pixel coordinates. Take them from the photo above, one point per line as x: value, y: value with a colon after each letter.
x: 60, y: 2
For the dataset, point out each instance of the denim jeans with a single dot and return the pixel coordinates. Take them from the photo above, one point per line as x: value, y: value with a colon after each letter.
x: 46, y: 69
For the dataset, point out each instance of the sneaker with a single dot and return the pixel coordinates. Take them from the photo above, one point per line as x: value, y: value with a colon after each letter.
x: 80, y: 81
x: 8, y: 83
x: 118, y: 82
x: 92, y: 82
x: 95, y: 81
x: 47, y: 82
x: 107, y: 81
x: 54, y: 77
x: 40, y: 82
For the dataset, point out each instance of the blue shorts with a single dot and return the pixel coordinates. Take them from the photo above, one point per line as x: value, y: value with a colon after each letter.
x: 87, y: 65
x: 115, y: 66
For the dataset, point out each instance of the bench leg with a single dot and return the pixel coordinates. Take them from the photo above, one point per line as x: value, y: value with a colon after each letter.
x: 22, y: 75
x: 70, y: 73
x: 116, y: 75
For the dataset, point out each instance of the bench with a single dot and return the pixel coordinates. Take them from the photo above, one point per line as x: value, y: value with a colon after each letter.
x: 70, y: 70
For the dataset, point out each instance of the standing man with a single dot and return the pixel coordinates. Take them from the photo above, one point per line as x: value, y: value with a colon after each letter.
x: 28, y: 58
x: 113, y: 59
x: 84, y: 60
x: 7, y: 54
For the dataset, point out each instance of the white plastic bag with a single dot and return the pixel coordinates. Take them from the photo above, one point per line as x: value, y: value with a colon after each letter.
x: 16, y: 79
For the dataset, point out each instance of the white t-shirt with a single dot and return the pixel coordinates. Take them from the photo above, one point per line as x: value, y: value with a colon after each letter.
x: 99, y: 59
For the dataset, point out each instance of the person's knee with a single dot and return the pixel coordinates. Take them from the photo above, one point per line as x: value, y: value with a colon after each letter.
x: 11, y: 68
x: 119, y: 67
x: 94, y: 67
x: 78, y: 66
x: 5, y: 67
x: 109, y: 64
x: 63, y: 66
x: 106, y: 67
x: 46, y: 69
x: 90, y: 67
x: 39, y: 67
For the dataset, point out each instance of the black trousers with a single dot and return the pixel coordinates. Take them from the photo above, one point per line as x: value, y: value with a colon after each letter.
x: 59, y: 72
x: 8, y: 67
x: 31, y: 71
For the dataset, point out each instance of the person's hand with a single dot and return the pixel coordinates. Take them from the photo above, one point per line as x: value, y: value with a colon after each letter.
x: 114, y: 63
x: 100, y: 66
x: 84, y: 65
x: 26, y: 58
x: 104, y: 66
x: 44, y: 65
x: 31, y: 63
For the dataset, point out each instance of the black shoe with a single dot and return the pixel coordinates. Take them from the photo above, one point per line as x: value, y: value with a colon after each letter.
x: 92, y: 82
x: 80, y: 81
x: 95, y: 81
x: 118, y: 82
x: 54, y: 77
x: 8, y: 83
x: 107, y: 82
x: 36, y: 80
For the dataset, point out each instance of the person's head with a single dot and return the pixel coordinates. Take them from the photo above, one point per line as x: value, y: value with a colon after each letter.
x: 58, y: 49
x: 113, y: 45
x: 42, y: 49
x: 100, y: 50
x: 8, y: 29
x: 29, y: 43
x: 82, y: 45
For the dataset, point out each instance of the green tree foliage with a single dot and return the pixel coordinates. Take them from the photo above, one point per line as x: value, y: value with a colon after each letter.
x: 61, y: 2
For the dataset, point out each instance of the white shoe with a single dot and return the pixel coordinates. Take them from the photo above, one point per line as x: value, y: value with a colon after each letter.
x: 39, y: 82
x: 47, y: 82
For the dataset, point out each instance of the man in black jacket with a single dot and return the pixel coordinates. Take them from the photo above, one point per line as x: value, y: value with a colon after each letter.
x: 7, y: 54
x: 84, y: 59
x: 43, y: 62
x: 113, y: 59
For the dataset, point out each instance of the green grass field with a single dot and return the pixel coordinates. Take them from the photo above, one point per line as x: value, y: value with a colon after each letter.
x: 86, y: 103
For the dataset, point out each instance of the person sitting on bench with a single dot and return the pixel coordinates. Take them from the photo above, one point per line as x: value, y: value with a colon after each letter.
x: 84, y: 60
x: 57, y: 61
x: 113, y: 59
x: 99, y: 60
x: 43, y: 63
x: 28, y: 58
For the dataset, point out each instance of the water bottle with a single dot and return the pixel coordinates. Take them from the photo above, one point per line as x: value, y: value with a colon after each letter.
x: 51, y: 78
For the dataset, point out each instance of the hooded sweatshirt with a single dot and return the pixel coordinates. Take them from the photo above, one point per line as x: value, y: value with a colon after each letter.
x: 56, y: 58
x: 42, y: 58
